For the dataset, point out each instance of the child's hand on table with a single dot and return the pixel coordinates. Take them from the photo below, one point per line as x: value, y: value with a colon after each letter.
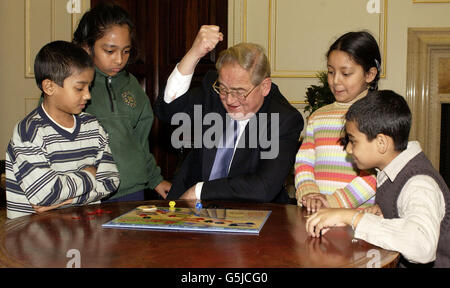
x: 314, y: 201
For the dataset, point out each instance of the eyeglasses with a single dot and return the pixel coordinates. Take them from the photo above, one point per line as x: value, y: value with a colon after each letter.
x: 240, y: 96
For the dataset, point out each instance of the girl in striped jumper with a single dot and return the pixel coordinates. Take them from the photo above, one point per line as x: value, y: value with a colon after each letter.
x: 324, y: 173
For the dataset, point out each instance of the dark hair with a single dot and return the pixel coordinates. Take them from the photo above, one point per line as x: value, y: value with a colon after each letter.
x: 95, y: 23
x: 59, y: 60
x: 363, y: 49
x: 382, y: 112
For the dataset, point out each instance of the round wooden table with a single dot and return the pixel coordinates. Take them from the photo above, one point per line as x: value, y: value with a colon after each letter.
x: 56, y: 238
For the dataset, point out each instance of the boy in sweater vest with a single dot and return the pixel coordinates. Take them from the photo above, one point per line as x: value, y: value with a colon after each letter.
x: 412, y: 215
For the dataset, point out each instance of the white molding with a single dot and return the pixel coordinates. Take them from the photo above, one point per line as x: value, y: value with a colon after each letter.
x: 421, y: 95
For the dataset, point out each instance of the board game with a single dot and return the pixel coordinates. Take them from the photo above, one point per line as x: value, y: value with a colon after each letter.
x: 192, y: 220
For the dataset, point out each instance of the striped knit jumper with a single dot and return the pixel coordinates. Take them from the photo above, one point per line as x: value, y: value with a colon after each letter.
x: 323, y: 166
x: 44, y: 164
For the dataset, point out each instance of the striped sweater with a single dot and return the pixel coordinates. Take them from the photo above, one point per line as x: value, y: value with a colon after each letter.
x: 323, y: 166
x: 44, y: 164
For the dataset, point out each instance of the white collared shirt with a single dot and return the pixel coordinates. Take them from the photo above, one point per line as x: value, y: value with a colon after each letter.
x: 421, y: 208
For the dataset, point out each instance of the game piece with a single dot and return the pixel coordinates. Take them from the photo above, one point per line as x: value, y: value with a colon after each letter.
x: 147, y: 208
x: 198, y: 208
x: 172, y: 206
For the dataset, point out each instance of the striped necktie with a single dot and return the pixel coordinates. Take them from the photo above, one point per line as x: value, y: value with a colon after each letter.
x: 225, y: 152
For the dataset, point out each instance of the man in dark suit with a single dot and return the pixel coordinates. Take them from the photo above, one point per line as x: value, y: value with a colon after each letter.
x: 247, y: 110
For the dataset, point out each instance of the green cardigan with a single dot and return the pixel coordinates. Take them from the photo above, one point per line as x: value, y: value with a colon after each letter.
x: 124, y: 110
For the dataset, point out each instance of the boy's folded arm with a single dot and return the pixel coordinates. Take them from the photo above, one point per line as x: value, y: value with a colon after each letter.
x: 107, y: 174
x: 107, y: 181
x: 44, y: 186
x: 416, y: 233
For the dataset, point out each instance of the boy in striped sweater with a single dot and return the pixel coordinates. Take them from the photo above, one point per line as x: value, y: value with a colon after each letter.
x: 324, y: 173
x: 59, y: 156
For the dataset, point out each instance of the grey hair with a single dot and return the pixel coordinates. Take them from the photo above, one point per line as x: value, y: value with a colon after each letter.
x: 250, y: 57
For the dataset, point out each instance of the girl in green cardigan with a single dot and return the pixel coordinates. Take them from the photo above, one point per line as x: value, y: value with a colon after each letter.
x: 106, y: 32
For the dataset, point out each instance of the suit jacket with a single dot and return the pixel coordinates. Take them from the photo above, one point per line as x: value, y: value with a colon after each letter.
x: 250, y: 178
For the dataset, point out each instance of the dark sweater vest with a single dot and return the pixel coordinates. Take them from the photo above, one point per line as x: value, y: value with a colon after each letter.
x: 388, y: 193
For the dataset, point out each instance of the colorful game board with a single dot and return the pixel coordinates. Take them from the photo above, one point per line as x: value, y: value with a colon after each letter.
x: 188, y: 219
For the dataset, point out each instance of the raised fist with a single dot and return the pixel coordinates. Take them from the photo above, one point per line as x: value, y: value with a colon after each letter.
x: 206, y: 40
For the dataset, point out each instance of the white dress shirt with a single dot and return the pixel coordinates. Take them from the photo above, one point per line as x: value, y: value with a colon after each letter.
x: 421, y: 208
x: 177, y: 85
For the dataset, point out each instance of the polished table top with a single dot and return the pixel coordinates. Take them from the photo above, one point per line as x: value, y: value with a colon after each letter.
x: 55, y: 238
